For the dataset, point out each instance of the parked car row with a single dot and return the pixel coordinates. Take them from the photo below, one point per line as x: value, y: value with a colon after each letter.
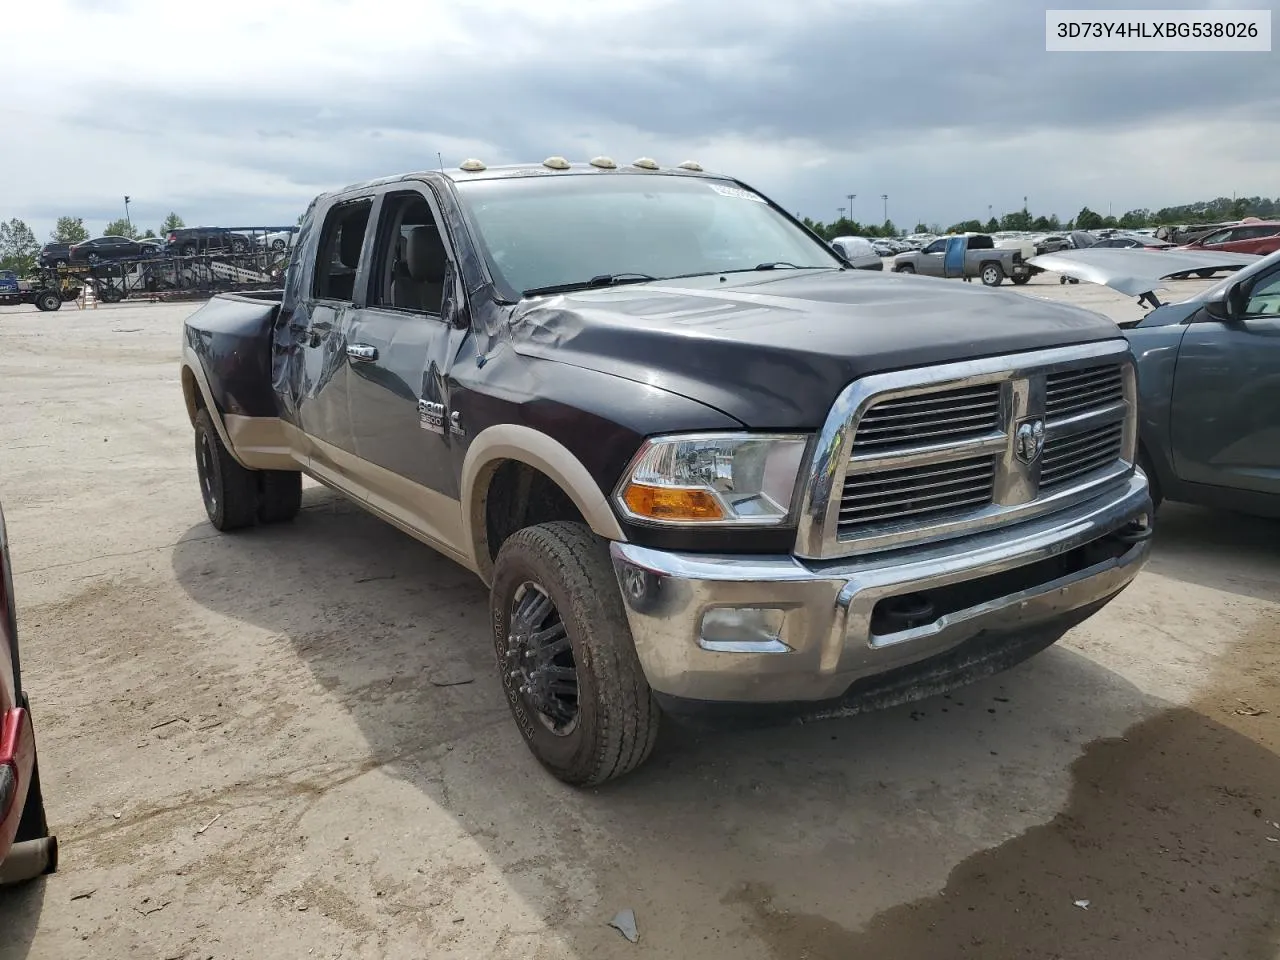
x: 183, y: 242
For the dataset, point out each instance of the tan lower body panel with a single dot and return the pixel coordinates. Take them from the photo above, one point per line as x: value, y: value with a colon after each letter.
x: 266, y: 443
x: 424, y: 514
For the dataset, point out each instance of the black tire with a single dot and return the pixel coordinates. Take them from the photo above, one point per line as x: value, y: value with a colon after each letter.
x: 60, y: 263
x: 239, y: 246
x: 48, y: 300
x: 189, y: 250
x: 905, y: 268
x: 33, y: 825
x: 229, y: 491
x: 279, y: 496
x: 991, y: 274
x: 1205, y: 274
x: 93, y: 259
x: 1019, y: 281
x: 614, y: 715
x: 277, y: 245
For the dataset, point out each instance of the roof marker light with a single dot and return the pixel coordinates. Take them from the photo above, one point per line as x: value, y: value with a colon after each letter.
x: 644, y: 163
x: 556, y: 163
x: 604, y: 163
x: 691, y: 165
x: 471, y: 166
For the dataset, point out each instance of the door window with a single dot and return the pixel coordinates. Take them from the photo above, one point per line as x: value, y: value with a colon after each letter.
x: 341, y: 244
x: 411, y: 261
x: 1264, y: 296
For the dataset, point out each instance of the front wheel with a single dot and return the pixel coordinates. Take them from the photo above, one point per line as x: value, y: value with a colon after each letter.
x: 49, y: 301
x: 905, y: 268
x: 568, y: 663
x: 992, y: 275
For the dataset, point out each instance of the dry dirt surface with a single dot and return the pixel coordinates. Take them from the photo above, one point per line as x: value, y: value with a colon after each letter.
x: 291, y: 742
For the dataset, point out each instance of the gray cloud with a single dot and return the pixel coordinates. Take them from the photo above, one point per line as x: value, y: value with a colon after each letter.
x: 853, y: 81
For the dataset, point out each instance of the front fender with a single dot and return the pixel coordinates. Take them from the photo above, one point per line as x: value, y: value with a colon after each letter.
x: 511, y: 441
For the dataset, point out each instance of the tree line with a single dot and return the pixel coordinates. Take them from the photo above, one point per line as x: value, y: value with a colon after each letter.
x: 1205, y: 211
x: 19, y: 248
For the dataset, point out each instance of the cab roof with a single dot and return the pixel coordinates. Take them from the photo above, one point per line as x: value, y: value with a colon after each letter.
x: 523, y: 170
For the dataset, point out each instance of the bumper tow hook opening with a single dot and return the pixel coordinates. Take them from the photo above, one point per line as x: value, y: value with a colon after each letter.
x: 1135, y: 531
x: 903, y: 613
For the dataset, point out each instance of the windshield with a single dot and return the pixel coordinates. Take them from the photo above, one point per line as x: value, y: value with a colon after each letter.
x: 540, y: 232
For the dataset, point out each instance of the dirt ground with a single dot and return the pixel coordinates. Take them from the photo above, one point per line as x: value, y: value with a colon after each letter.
x: 292, y: 742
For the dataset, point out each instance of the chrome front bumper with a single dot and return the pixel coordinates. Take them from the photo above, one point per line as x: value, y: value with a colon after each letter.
x: 824, y: 630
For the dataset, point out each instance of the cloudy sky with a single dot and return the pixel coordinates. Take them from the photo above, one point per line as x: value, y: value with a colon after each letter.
x: 237, y: 112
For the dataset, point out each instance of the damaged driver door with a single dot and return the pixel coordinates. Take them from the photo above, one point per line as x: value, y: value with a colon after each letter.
x: 400, y: 348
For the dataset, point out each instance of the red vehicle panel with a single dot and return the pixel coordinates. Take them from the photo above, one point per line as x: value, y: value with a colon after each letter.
x: 1259, y: 237
x: 26, y: 849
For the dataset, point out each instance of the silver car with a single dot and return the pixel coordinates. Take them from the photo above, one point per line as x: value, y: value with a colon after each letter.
x: 859, y: 252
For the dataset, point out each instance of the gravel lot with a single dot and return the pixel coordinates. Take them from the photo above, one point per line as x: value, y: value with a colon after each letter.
x: 319, y: 699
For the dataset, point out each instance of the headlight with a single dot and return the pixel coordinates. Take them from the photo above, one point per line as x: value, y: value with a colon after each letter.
x: 739, y: 479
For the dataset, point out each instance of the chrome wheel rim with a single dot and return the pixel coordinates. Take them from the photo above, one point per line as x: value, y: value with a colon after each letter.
x: 540, y: 660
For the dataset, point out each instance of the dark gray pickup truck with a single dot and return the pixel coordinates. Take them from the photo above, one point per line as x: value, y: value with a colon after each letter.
x: 699, y: 461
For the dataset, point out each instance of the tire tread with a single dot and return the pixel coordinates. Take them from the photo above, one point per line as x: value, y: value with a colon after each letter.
x: 627, y: 713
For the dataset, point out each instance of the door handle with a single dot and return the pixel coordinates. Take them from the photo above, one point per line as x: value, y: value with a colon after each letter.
x: 362, y: 351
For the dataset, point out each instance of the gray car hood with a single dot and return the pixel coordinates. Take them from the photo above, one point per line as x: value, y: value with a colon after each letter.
x: 1135, y: 272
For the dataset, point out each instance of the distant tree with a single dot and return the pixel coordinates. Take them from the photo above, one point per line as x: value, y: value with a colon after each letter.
x: 172, y: 222
x: 1018, y: 220
x: 1041, y: 223
x: 972, y: 226
x: 149, y: 235
x: 920, y: 228
x: 302, y: 216
x: 1086, y: 219
x: 888, y: 230
x: 120, y: 228
x: 1240, y: 209
x: 18, y: 247
x: 69, y: 230
x: 992, y: 226
x: 1110, y: 222
x: 1133, y: 219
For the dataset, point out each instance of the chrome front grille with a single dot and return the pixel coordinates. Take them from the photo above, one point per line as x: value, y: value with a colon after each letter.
x: 1075, y: 455
x: 1073, y: 391
x: 921, y: 455
x: 932, y: 417
x: 919, y: 493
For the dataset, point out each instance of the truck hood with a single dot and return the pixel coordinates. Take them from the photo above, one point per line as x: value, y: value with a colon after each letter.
x: 773, y: 351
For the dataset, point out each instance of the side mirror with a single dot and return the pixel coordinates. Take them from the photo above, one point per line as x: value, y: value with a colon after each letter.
x: 1228, y: 304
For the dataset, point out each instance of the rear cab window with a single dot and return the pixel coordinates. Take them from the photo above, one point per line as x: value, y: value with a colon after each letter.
x: 341, y: 247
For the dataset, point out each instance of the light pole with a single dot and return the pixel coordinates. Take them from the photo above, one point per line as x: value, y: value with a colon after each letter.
x: 885, y: 198
x: 841, y: 210
x: 852, y: 197
x: 127, y: 222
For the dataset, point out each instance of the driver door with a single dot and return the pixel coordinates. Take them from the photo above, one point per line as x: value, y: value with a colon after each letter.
x: 930, y: 261
x: 1225, y: 415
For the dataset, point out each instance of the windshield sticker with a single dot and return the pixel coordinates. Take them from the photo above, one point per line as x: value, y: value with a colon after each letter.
x: 736, y: 192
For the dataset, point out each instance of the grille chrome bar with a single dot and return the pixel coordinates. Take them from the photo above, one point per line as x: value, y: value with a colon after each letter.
x: 915, y: 456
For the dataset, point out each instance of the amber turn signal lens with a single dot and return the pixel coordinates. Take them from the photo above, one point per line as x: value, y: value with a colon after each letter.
x: 672, y: 503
